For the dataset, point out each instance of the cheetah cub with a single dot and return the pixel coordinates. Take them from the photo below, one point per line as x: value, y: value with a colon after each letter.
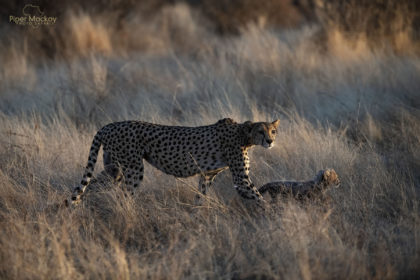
x: 324, y: 180
x: 179, y: 151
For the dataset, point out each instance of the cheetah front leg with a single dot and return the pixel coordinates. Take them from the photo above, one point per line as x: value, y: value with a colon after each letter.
x: 246, y: 188
x: 204, y: 184
x: 239, y: 167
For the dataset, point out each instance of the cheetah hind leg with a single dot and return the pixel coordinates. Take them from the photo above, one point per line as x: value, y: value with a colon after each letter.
x: 133, y: 178
x: 128, y: 179
x: 112, y: 173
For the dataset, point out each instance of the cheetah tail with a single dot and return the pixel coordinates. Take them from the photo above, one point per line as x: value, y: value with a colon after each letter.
x: 87, y: 176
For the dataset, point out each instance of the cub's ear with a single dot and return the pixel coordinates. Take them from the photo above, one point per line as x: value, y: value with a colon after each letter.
x: 327, y: 174
x: 276, y: 123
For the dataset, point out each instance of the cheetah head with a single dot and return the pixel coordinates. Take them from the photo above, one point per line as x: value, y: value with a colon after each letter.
x: 262, y: 133
x: 329, y: 178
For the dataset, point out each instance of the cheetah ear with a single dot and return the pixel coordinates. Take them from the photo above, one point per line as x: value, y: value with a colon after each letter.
x: 248, y: 125
x: 276, y: 123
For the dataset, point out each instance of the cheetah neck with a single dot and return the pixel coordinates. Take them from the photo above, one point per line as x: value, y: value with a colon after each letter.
x: 245, y: 138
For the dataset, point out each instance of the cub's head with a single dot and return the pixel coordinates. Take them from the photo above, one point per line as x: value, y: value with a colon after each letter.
x: 329, y: 178
x: 262, y: 133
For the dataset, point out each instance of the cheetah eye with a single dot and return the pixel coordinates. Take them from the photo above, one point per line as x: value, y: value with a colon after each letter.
x: 273, y: 132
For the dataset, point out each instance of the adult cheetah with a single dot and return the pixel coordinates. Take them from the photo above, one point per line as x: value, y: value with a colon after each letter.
x: 180, y: 151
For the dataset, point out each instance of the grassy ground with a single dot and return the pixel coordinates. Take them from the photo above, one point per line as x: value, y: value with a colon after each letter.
x: 342, y: 103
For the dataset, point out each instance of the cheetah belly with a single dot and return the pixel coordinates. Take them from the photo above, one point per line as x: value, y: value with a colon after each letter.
x: 185, y: 164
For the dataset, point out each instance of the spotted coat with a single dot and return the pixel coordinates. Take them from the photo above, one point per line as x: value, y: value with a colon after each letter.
x: 179, y: 151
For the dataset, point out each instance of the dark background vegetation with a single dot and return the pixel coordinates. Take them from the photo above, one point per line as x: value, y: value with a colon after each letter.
x: 380, y: 20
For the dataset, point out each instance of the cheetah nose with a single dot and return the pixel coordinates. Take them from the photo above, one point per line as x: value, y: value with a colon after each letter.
x: 269, y: 141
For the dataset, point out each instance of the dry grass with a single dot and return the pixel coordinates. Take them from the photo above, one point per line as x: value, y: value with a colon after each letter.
x: 343, y: 104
